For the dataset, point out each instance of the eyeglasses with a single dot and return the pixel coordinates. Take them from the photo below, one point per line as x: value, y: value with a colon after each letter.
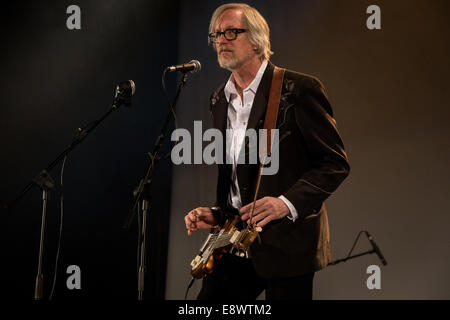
x: 229, y: 34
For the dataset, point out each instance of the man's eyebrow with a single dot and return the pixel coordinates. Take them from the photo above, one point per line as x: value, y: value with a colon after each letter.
x: 228, y: 27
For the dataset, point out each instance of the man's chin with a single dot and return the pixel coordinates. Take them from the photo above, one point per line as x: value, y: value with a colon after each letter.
x: 228, y: 64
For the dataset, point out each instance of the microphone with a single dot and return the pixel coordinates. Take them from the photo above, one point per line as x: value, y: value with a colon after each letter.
x: 124, y: 91
x: 376, y: 249
x: 193, y: 66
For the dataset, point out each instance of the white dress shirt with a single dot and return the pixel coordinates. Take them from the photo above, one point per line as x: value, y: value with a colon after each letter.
x: 237, y: 119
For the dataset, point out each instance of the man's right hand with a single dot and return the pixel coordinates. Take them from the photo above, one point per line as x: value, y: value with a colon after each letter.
x: 199, y: 218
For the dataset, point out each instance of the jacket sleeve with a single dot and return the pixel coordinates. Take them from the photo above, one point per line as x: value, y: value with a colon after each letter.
x: 329, y: 163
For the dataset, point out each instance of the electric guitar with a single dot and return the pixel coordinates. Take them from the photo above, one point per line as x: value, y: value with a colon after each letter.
x: 220, y: 241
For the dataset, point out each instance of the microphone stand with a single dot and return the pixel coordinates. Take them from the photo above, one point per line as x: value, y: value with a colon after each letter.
x: 374, y: 250
x: 351, y: 257
x: 143, y: 191
x: 45, y: 182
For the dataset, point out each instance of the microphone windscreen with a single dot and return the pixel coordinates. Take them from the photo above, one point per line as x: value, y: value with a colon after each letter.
x: 197, y: 66
x: 133, y: 87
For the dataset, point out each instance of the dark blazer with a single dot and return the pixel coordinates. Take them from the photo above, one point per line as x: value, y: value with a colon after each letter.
x: 312, y: 164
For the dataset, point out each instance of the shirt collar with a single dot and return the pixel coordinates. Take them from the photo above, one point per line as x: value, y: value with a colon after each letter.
x: 253, y: 86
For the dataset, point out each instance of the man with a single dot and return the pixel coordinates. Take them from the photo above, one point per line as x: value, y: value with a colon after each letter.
x: 312, y: 163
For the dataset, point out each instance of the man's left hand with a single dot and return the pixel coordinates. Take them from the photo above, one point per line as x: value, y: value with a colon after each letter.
x: 266, y: 210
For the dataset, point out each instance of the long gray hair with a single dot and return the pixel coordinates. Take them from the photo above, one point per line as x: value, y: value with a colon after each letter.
x: 258, y: 31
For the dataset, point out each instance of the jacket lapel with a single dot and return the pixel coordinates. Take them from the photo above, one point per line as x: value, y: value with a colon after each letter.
x: 219, y: 112
x: 259, y: 106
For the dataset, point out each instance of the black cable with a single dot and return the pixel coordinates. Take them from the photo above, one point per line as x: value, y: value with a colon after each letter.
x: 163, y: 81
x: 140, y: 235
x: 188, y: 287
x: 138, y: 213
x: 174, y: 115
x: 60, y: 227
x: 354, y: 243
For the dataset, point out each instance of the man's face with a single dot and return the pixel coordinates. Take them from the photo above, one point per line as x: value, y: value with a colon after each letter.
x: 233, y: 54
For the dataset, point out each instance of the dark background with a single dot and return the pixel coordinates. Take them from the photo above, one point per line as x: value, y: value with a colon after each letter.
x: 388, y: 89
x: 53, y: 81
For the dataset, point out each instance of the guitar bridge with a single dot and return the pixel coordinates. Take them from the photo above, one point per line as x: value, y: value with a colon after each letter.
x: 242, y: 240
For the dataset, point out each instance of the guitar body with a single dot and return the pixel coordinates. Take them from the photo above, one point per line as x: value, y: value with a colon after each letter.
x: 203, y: 269
x: 219, y: 242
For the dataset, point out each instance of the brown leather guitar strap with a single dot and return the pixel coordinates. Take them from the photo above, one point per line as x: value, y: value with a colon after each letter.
x: 272, y: 106
x: 270, y: 122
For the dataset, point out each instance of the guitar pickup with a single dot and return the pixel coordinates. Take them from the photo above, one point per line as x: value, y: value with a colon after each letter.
x: 195, y: 261
x: 235, y: 236
x: 242, y: 240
